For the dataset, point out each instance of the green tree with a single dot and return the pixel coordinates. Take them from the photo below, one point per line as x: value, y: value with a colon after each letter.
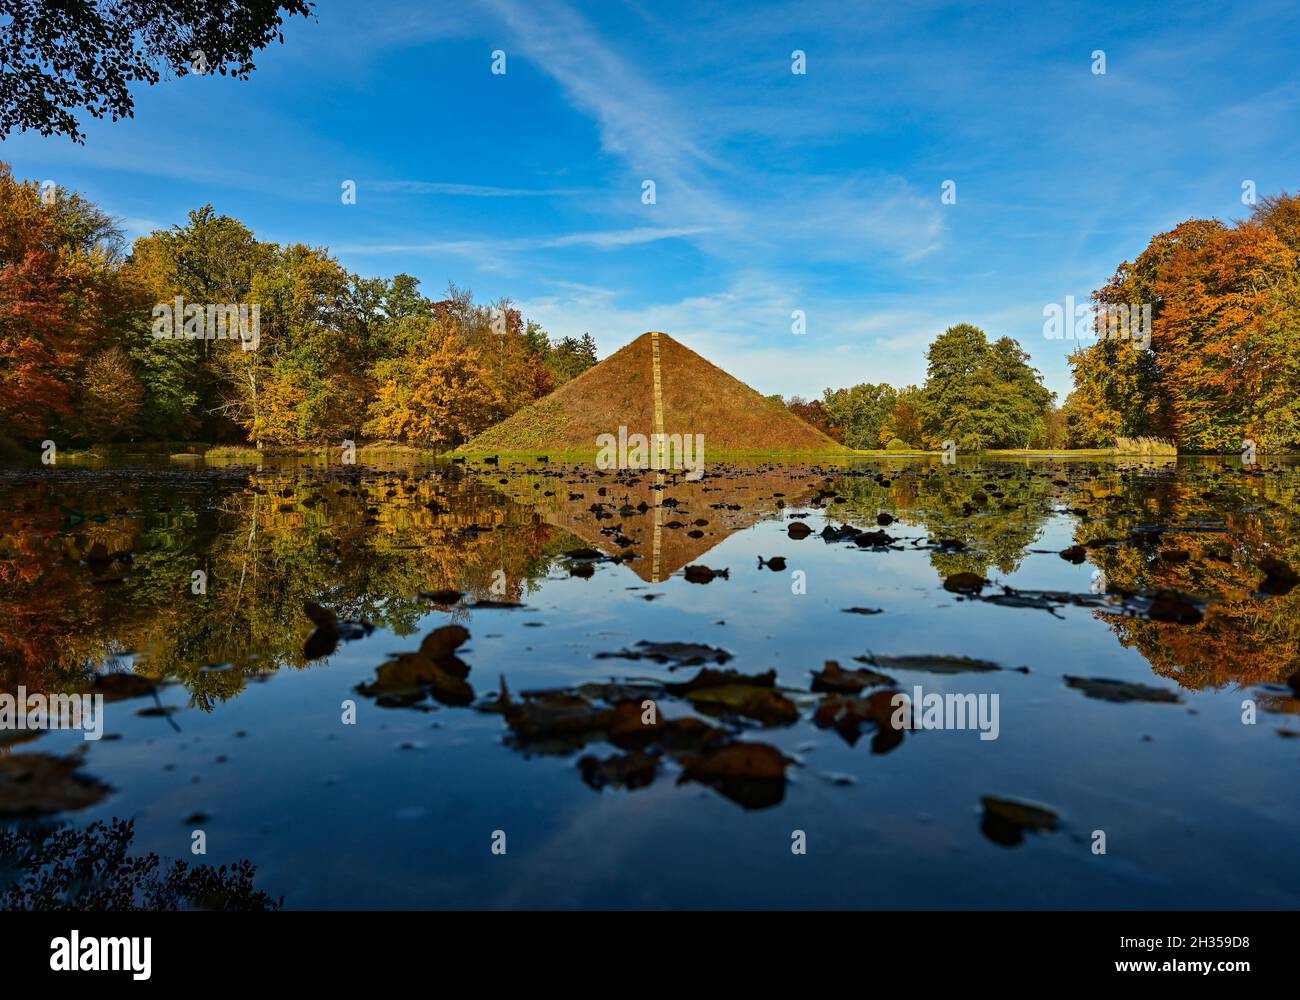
x: 981, y: 395
x: 861, y: 411
x: 570, y: 357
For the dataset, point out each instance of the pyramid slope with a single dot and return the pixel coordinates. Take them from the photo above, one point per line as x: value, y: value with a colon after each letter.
x: 697, y: 398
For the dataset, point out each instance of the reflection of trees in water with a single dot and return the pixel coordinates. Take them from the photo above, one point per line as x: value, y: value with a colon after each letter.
x: 997, y: 513
x: 90, y: 870
x: 364, y: 545
x: 1246, y: 637
x: 1234, y: 518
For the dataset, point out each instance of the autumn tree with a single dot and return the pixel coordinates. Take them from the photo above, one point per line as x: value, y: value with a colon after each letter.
x: 59, y: 300
x: 443, y: 395
x: 813, y: 412
x: 903, y: 421
x: 77, y: 334
x: 1221, y: 366
x: 111, y: 397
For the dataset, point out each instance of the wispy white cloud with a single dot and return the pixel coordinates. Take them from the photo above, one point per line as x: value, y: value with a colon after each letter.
x: 600, y: 240
x: 472, y: 190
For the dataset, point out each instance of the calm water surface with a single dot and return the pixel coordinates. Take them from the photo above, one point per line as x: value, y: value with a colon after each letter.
x: 244, y: 736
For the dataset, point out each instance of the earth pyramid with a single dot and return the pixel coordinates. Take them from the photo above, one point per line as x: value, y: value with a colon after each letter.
x: 654, y: 385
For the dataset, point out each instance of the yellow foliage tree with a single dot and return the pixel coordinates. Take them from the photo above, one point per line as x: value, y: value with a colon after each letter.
x: 443, y: 393
x: 276, y: 419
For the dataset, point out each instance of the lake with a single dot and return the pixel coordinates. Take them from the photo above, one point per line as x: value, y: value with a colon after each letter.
x: 1131, y: 626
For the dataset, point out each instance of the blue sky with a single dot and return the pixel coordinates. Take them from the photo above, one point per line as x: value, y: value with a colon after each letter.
x: 774, y: 191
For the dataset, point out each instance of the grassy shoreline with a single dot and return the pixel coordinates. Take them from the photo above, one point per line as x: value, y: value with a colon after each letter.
x: 247, y: 454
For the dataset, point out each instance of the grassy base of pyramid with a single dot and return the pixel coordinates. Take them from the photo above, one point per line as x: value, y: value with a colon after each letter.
x: 698, y: 398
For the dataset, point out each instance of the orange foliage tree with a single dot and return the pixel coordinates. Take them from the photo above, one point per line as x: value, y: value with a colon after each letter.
x: 1222, y: 365
x: 444, y: 394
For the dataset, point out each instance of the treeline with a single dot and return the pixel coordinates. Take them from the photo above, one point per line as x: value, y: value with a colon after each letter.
x: 1223, y: 365
x: 978, y: 394
x: 338, y: 355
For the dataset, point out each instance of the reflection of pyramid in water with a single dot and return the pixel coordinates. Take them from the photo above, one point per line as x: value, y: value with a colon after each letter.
x: 655, y: 385
x: 660, y: 535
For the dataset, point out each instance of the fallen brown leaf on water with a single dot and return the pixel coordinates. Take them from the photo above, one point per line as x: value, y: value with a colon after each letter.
x: 833, y: 677
x: 763, y: 704
x: 551, y: 713
x: 798, y: 530
x: 625, y: 723
x: 933, y: 664
x: 690, y: 736
x: 613, y: 692
x: 322, y: 618
x: 965, y: 583
x: 847, y: 715
x: 1169, y: 606
x: 329, y: 631
x: 679, y: 654
x: 433, y: 669
x: 405, y: 679
x: 702, y: 574
x: 442, y: 596
x: 1121, y: 691
x: 1279, y: 578
x: 711, y: 677
x: 1006, y: 821
x: 750, y: 774
x: 442, y: 642
x: 122, y: 686
x: 38, y: 783
x: 632, y: 770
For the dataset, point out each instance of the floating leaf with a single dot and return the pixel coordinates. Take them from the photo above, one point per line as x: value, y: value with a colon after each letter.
x: 750, y: 774
x: 1006, y: 821
x: 711, y: 677
x: 763, y: 704
x: 38, y: 783
x: 681, y: 654
x: 1121, y: 691
x: 835, y: 678
x: 933, y: 664
x: 632, y: 770
x: 702, y: 574
x: 965, y: 583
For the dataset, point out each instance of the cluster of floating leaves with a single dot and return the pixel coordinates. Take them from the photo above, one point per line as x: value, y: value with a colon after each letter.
x: 702, y: 728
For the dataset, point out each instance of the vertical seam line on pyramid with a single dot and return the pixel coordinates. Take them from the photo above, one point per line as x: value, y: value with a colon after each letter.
x: 658, y: 443
x: 658, y: 384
